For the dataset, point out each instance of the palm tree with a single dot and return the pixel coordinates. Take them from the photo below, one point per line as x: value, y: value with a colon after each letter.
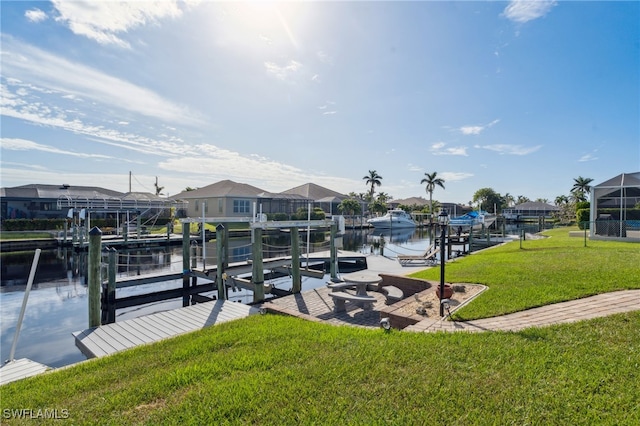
x: 373, y: 179
x: 384, y: 198
x: 561, y: 199
x: 432, y: 181
x: 509, y: 199
x: 581, y: 188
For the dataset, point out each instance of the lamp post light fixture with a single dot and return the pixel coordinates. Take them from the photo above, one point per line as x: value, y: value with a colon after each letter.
x: 443, y: 220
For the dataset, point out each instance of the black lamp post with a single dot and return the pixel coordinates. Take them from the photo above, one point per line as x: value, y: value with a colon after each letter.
x: 443, y: 220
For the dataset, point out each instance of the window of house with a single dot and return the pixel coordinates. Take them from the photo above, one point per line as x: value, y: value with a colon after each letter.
x: 220, y: 205
x: 241, y: 206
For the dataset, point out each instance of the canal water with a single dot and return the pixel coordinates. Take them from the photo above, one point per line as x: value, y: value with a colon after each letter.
x: 58, y: 302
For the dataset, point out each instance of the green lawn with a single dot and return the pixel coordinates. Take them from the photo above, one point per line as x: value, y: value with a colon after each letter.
x: 25, y: 235
x: 271, y: 369
x: 544, y: 271
x: 282, y: 370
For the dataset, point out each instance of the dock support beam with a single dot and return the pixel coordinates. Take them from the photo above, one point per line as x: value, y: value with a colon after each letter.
x: 109, y: 297
x: 257, y: 275
x: 186, y: 240
x: 295, y: 260
x: 333, y: 253
x: 93, y: 273
x: 220, y: 249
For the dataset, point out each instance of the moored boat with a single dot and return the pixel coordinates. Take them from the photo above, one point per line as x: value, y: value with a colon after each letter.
x: 472, y: 218
x: 396, y: 218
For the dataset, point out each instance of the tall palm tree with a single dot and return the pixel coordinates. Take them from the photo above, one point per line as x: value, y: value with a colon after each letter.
x: 509, y: 199
x: 561, y: 199
x: 432, y: 181
x: 373, y: 179
x: 581, y: 187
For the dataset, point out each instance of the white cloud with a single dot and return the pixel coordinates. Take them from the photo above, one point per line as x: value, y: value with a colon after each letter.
x: 522, y: 11
x: 24, y: 62
x: 40, y: 114
x: 587, y: 157
x: 476, y: 130
x: 440, y: 148
x: 26, y: 145
x: 101, y: 21
x: 510, y: 149
x: 324, y: 57
x: 455, y: 176
x: 35, y: 15
x: 282, y: 72
x: 203, y: 160
x: 471, y: 130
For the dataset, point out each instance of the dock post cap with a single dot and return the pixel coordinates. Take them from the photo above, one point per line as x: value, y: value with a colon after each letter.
x: 95, y: 231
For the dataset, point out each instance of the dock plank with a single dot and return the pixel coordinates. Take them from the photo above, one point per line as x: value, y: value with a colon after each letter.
x: 118, y: 336
x: 20, y: 369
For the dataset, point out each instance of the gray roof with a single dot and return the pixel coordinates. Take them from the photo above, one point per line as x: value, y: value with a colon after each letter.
x: 223, y: 188
x: 624, y: 180
x: 630, y: 182
x: 316, y: 192
x: 418, y: 201
x: 35, y: 191
x: 535, y: 205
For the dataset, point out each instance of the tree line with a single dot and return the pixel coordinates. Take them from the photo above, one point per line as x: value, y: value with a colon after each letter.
x: 484, y: 198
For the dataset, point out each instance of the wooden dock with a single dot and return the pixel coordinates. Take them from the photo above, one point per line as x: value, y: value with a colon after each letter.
x: 20, y: 369
x: 118, y: 336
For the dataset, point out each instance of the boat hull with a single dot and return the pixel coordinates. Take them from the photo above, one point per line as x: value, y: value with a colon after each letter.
x: 394, y: 225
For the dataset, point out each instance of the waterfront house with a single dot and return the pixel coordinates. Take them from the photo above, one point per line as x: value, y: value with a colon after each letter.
x: 38, y: 201
x: 227, y: 198
x: 531, y: 210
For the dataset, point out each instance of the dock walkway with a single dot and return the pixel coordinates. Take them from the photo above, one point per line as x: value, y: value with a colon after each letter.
x: 20, y: 369
x: 118, y: 336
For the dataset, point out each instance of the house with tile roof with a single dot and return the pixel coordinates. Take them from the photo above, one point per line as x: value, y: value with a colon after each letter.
x: 227, y: 198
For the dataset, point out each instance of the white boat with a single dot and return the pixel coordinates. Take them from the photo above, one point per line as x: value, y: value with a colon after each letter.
x: 472, y: 219
x: 394, y: 219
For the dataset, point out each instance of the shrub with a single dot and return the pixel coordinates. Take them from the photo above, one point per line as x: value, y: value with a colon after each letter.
x: 583, y: 205
x: 582, y: 217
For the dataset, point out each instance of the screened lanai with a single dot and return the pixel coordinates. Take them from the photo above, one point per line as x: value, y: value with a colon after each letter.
x: 615, y: 207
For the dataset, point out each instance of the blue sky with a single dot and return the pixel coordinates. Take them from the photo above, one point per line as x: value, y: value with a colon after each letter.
x: 521, y: 97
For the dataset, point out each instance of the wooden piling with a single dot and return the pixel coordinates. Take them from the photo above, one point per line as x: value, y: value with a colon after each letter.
x: 193, y: 250
x: 110, y: 296
x: 295, y: 260
x: 220, y: 251
x: 186, y: 240
x: 257, y: 276
x: 333, y: 253
x: 94, y: 278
